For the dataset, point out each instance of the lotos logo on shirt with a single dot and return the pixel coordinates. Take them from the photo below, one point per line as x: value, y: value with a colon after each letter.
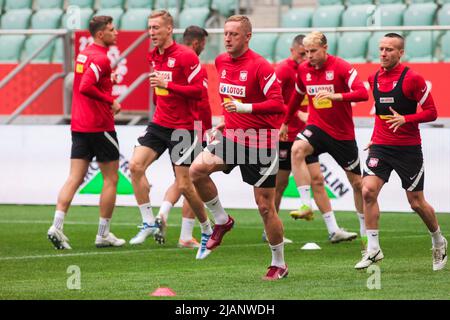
x: 229, y: 89
x: 166, y: 74
x: 313, y: 90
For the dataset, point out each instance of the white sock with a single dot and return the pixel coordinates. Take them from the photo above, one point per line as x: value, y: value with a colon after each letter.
x: 165, y: 209
x: 214, y: 205
x: 373, y: 243
x: 206, y: 227
x: 58, y: 220
x: 436, y: 238
x: 305, y: 195
x: 330, y: 221
x: 147, y: 213
x: 103, y: 227
x: 278, y: 255
x: 362, y: 224
x: 187, y: 227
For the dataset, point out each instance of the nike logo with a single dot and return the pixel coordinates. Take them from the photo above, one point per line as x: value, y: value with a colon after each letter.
x: 267, y: 78
x: 351, y: 70
x: 192, y: 68
x: 412, y: 178
x: 424, y: 89
x: 373, y: 258
x: 213, y: 204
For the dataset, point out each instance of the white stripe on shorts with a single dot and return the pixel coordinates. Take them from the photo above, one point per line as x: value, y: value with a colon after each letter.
x: 188, y: 152
x: 268, y: 172
x: 111, y: 139
x: 419, y: 176
x: 353, y: 166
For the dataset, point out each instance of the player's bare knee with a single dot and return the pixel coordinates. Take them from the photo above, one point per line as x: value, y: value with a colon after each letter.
x: 196, y: 172
x: 317, y: 182
x: 298, y: 151
x: 356, y: 184
x: 369, y: 194
x: 416, y: 204
x: 136, y: 168
x: 111, y: 180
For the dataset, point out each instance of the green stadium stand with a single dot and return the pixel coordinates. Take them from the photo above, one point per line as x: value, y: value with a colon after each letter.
x: 82, y: 3
x: 193, y: 16
x: 16, y: 19
x: 47, y: 19
x: 389, y: 15
x: 17, y: 4
x: 116, y: 13
x: 420, y: 14
x: 225, y: 8
x: 358, y: 15
x: 75, y: 24
x: 135, y: 19
x: 358, y: 2
x: 352, y: 46
x: 330, y: 2
x: 283, y: 45
x: 212, y: 48
x: 34, y: 42
x: 390, y: 1
x: 11, y: 48
x: 443, y: 15
x: 161, y: 4
x: 297, y: 18
x: 422, y: 1
x: 49, y: 4
x: 58, y: 54
x: 135, y: 4
x: 327, y: 16
x: 419, y: 46
x: 332, y: 40
x: 445, y: 47
x: 110, y: 4
x: 264, y: 44
x: 197, y: 4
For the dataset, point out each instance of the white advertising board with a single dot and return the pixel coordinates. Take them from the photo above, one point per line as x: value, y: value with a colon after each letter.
x: 34, y: 163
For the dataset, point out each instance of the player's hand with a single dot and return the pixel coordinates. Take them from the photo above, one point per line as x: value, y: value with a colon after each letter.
x: 283, y: 134
x: 396, y: 120
x: 321, y: 95
x: 116, y: 107
x: 367, y: 147
x: 235, y: 106
x: 303, y: 116
x: 157, y: 80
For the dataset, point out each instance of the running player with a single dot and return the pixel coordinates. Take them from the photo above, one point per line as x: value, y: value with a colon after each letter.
x: 253, y: 109
x: 396, y: 145
x: 331, y: 85
x: 93, y: 133
x: 177, y: 83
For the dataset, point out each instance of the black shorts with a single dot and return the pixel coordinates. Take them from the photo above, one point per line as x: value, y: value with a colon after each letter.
x: 259, y: 167
x: 104, y: 146
x: 285, y: 156
x: 345, y: 152
x: 407, y: 161
x: 184, y: 145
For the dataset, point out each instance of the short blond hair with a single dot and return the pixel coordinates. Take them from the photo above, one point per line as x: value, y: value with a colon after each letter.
x: 244, y: 20
x: 315, y: 38
x: 164, y: 14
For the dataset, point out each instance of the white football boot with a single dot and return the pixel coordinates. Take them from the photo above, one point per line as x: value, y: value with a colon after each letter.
x: 110, y: 240
x: 58, y: 239
x: 146, y: 231
x: 342, y: 235
x: 369, y: 258
x: 440, y: 256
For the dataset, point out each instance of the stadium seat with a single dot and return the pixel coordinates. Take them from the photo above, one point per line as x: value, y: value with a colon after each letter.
x: 443, y: 15
x: 143, y: 4
x: 85, y: 17
x: 352, y: 46
x: 193, y: 16
x: 445, y: 47
x: 46, y: 19
x: 161, y: 4
x: 225, y: 7
x: 197, y: 4
x: 358, y: 15
x: 283, y: 45
x: 17, y: 4
x: 297, y: 18
x: 422, y: 1
x: 16, y: 19
x: 389, y: 15
x: 420, y: 14
x: 264, y: 44
x: 327, y: 16
x: 34, y: 42
x: 390, y: 1
x: 329, y: 2
x: 135, y: 19
x: 11, y: 48
x: 358, y: 2
x: 115, y: 13
x: 419, y: 46
x: 110, y: 4
x: 212, y: 48
x: 49, y: 4
x: 82, y: 3
x: 332, y: 41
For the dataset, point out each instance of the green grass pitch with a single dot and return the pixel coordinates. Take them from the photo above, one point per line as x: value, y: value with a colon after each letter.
x: 32, y: 269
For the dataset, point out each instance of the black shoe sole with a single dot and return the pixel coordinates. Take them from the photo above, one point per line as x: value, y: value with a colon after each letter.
x: 56, y: 243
